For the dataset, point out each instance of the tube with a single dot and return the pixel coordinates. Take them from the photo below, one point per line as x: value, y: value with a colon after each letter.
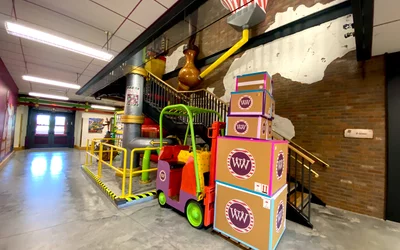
x: 233, y: 49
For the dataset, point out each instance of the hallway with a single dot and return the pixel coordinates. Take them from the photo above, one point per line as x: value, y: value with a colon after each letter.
x: 46, y: 202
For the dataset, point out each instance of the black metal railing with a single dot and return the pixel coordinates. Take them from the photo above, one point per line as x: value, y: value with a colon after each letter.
x: 299, y: 184
x: 159, y: 94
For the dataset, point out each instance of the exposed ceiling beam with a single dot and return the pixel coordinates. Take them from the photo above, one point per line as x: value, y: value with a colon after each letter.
x: 363, y: 15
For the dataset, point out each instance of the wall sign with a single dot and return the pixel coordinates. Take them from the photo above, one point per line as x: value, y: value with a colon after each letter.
x: 359, y: 133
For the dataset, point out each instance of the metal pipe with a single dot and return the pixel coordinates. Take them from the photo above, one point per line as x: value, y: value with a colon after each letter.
x: 226, y: 55
x: 133, y: 104
x: 145, y: 166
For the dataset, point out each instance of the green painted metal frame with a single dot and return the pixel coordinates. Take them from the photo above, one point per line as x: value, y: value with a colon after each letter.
x: 190, y: 112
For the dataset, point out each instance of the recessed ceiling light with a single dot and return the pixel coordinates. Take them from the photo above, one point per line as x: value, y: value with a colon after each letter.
x: 58, y: 97
x: 46, y: 38
x: 50, y: 82
x: 102, y: 107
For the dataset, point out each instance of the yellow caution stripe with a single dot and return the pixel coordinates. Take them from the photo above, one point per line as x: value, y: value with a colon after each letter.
x: 119, y: 201
x: 103, y: 187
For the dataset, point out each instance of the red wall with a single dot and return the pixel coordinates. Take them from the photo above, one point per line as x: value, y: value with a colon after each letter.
x: 8, y: 108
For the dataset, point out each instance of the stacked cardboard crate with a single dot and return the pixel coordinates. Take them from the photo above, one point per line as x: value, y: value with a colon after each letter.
x: 251, y: 168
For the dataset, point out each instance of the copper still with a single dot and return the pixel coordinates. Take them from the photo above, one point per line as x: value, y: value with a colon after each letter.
x: 189, y: 75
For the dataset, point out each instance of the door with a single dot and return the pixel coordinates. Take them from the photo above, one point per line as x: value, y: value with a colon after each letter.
x: 49, y: 129
x: 393, y: 136
x: 41, y: 136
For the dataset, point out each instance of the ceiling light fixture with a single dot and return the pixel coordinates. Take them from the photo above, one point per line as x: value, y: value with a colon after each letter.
x: 102, y: 107
x: 46, y: 38
x: 58, y: 97
x: 50, y: 82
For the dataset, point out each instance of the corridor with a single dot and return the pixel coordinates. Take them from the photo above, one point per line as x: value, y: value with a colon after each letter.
x: 47, y: 202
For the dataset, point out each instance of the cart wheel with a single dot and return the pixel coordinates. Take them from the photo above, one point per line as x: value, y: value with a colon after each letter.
x: 162, y: 199
x: 195, y: 214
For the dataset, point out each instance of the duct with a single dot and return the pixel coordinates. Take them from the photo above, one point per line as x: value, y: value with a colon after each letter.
x: 133, y: 110
x: 243, y: 20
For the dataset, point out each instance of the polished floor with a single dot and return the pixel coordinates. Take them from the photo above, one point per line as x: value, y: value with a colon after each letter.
x: 47, y: 202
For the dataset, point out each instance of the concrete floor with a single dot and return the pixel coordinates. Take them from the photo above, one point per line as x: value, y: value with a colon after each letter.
x: 114, y: 183
x: 47, y: 202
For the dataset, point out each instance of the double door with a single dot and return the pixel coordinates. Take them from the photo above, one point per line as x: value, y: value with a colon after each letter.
x: 50, y: 129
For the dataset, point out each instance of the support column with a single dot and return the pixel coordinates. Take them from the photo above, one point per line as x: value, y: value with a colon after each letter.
x: 133, y: 116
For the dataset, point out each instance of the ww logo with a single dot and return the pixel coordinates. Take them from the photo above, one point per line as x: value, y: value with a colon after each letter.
x: 245, y: 102
x: 239, y: 216
x: 241, y: 163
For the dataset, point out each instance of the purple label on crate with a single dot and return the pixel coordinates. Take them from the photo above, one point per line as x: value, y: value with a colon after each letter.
x: 245, y: 102
x: 241, y: 127
x: 239, y: 216
x: 280, y: 164
x: 241, y: 163
x: 279, y: 217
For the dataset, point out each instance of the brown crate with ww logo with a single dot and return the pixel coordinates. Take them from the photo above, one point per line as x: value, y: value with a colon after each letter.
x: 253, y: 219
x: 256, y: 165
x: 257, y: 127
x: 252, y: 102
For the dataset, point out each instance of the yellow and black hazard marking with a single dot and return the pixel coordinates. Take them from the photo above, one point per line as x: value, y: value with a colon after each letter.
x: 119, y: 201
x: 103, y: 187
x: 146, y: 195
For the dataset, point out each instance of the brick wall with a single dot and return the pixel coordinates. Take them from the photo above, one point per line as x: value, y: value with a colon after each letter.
x: 351, y: 95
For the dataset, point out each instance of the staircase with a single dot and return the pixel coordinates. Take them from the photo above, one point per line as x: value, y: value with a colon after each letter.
x: 158, y: 94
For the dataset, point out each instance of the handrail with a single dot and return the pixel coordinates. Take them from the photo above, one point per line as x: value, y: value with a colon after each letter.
x: 316, y: 175
x: 312, y: 155
x: 277, y: 135
x: 186, y: 91
x: 301, y: 154
x: 131, y: 172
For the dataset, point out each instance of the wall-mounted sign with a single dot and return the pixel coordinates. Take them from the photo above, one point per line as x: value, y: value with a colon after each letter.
x: 359, y: 133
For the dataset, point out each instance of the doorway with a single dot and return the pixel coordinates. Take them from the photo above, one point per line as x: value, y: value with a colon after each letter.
x: 393, y: 136
x: 48, y: 129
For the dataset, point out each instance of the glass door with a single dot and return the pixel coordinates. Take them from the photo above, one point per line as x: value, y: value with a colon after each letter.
x: 60, y: 135
x: 50, y: 129
x: 42, y: 130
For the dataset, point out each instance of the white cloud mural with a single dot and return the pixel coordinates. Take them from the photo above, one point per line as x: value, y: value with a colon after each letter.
x: 301, y: 11
x: 302, y: 57
x: 173, y: 59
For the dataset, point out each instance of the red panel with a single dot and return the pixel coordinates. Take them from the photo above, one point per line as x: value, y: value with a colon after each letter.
x: 60, y: 140
x: 41, y: 140
x: 170, y: 153
x: 189, y: 177
x: 175, y: 179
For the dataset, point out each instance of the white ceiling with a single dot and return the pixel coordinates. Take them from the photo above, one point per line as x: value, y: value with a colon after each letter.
x: 84, y: 21
x: 386, y: 33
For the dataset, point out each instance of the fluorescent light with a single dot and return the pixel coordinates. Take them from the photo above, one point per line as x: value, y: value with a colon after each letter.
x: 46, y: 38
x: 50, y: 82
x: 58, y: 97
x: 102, y: 107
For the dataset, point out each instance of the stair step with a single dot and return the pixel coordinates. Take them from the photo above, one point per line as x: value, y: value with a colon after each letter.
x: 292, y: 186
x: 295, y: 199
